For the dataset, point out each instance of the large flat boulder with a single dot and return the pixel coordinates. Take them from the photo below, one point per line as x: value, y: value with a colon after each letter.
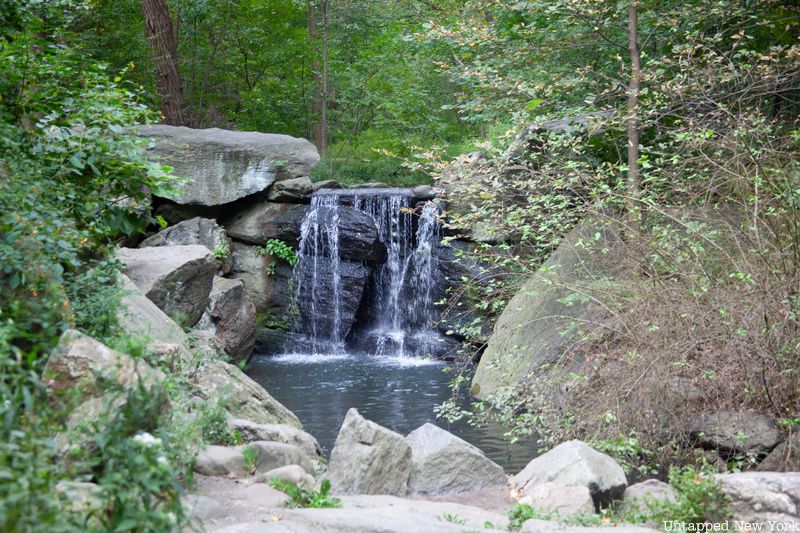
x: 177, y: 279
x: 80, y: 363
x: 221, y: 166
x: 231, y: 317
x: 197, y: 230
x: 573, y: 463
x: 241, y: 396
x: 266, y: 279
x: 553, y: 310
x: 769, y: 498
x: 369, y: 459
x: 442, y: 463
x: 259, y: 221
x: 139, y: 316
x: 732, y: 432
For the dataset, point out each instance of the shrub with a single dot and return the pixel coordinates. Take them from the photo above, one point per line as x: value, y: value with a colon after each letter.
x: 302, y: 497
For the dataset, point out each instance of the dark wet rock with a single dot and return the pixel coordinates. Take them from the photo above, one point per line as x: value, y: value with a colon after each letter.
x: 259, y: 221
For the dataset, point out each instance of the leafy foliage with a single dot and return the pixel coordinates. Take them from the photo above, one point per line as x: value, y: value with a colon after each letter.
x: 302, y: 497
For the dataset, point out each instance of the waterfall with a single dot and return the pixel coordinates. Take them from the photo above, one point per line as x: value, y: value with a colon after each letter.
x: 349, y: 304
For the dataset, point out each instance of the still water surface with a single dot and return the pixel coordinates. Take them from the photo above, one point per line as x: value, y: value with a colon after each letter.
x: 396, y: 392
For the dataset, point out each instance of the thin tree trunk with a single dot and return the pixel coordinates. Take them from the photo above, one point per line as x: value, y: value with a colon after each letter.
x: 323, y: 143
x: 316, y: 107
x: 164, y: 47
x: 632, y: 118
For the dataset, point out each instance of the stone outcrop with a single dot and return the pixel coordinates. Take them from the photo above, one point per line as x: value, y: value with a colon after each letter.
x: 293, y: 190
x: 574, y: 463
x: 267, y: 456
x: 639, y: 495
x: 294, y: 474
x: 785, y: 457
x: 442, y: 463
x: 563, y: 499
x: 139, y: 316
x: 196, y: 230
x: 251, y: 432
x: 358, y: 236
x: 221, y: 166
x: 764, y: 497
x: 259, y: 221
x: 265, y: 278
x: 553, y: 310
x: 732, y: 432
x: 80, y: 363
x: 176, y: 278
x: 240, y: 396
x: 231, y: 317
x: 368, y: 459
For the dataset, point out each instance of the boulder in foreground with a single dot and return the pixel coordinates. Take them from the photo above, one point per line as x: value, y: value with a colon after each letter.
x: 442, y: 463
x: 369, y: 459
x: 231, y: 317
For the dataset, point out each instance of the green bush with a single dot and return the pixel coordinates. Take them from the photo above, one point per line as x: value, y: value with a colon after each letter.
x: 302, y: 497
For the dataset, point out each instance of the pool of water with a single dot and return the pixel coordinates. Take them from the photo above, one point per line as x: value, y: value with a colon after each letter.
x: 396, y: 392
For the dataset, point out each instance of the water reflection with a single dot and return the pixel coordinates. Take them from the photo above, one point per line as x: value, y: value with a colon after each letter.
x: 396, y: 392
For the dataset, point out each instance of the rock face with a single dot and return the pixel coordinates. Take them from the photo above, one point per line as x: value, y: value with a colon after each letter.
x: 265, y: 278
x: 764, y: 497
x: 358, y: 236
x: 546, y: 316
x: 731, y: 432
x: 139, y: 316
x: 221, y: 166
x: 260, y: 221
x: 241, y: 396
x: 231, y: 317
x: 368, y: 459
x: 293, y: 190
x: 544, y: 526
x: 785, y: 457
x: 290, y: 474
x: 196, y: 230
x: 442, y: 463
x: 638, y: 494
x: 80, y: 363
x: 566, y: 500
x: 251, y: 432
x: 267, y: 456
x: 176, y: 278
x: 353, y: 282
x: 573, y: 463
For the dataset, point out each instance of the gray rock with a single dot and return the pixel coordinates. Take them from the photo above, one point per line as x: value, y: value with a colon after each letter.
x: 294, y: 474
x: 220, y: 461
x: 326, y: 184
x: 441, y: 463
x: 176, y: 278
x: 368, y: 458
x: 241, y: 396
x: 80, y: 363
x: 640, y: 494
x: 251, y: 432
x: 83, y: 499
x: 224, y: 461
x: 731, y: 432
x: 139, y: 316
x: 565, y: 500
x: 203, y: 507
x: 547, y: 316
x: 574, y: 463
x: 370, y: 185
x: 231, y: 317
x: 272, y: 455
x: 221, y: 166
x: 257, y: 222
x: 764, y: 497
x: 785, y: 457
x: 197, y: 230
x: 266, y: 279
x: 294, y: 190
x: 423, y: 192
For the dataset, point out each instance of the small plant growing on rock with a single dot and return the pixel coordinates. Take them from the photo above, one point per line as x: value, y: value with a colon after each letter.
x: 280, y: 250
x: 221, y: 252
x: 250, y: 455
x: 302, y: 497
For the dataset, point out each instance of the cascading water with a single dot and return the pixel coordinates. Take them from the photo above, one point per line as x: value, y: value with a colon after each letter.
x: 394, y: 301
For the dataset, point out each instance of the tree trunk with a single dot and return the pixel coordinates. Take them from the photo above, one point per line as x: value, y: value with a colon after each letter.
x: 164, y: 47
x: 323, y: 144
x: 632, y: 117
x: 317, y: 109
